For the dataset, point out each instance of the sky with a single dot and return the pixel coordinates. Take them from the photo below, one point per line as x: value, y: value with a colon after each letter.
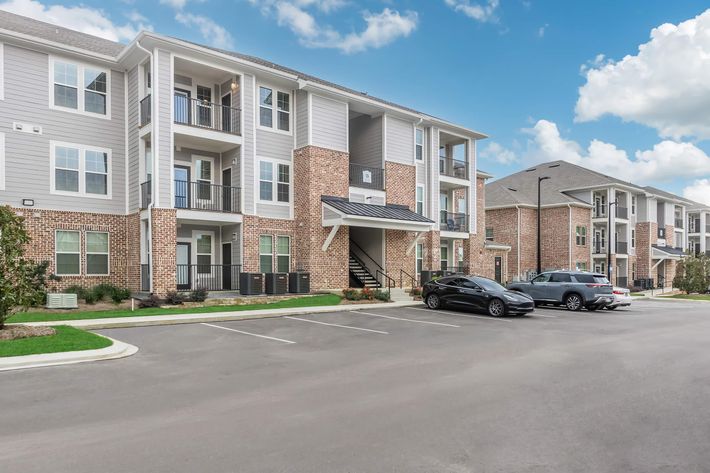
x: 619, y: 87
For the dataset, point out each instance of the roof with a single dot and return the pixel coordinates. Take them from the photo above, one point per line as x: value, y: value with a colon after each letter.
x: 668, y: 195
x: 669, y: 250
x: 389, y: 211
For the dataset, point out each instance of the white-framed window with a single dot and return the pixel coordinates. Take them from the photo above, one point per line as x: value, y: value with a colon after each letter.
x: 274, y: 182
x: 274, y: 109
x: 420, y: 200
x: 581, y: 265
x: 80, y: 88
x: 420, y: 258
x: 283, y: 254
x: 80, y: 170
x: 266, y: 254
x: 97, y: 253
x: 444, y: 258
x: 67, y: 253
x: 633, y: 238
x: 204, y: 177
x: 204, y: 248
x: 581, y: 235
x: 489, y: 233
x: 633, y: 205
x: 419, y: 144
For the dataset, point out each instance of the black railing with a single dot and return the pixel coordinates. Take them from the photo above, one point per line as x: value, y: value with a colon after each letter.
x: 145, y: 278
x: 453, y: 168
x: 622, y: 247
x: 145, y: 110
x: 203, y: 114
x: 385, y: 280
x: 454, y: 269
x: 146, y: 194
x: 678, y: 223
x: 205, y: 196
x: 599, y: 247
x: 453, y: 222
x: 622, y: 281
x: 599, y: 212
x: 622, y: 212
x: 212, y: 277
x: 402, y: 275
x: 662, y: 233
x: 367, y: 176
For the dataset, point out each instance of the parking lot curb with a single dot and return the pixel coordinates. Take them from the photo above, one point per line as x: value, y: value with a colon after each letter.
x: 118, y: 349
x: 674, y: 299
x: 145, y: 321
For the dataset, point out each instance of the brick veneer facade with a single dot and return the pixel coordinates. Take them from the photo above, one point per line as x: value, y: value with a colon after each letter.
x: 646, y: 235
x: 400, y: 184
x: 253, y: 227
x: 133, y: 252
x: 164, y: 246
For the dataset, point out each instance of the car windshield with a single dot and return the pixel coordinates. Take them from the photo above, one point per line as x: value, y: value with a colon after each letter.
x: 591, y: 279
x: 488, y: 284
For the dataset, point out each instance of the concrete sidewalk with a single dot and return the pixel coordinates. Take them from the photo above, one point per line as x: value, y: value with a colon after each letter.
x: 142, y: 321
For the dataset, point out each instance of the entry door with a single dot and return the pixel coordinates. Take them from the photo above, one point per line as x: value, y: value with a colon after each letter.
x: 182, y: 106
x: 227, y: 113
x: 226, y: 266
x: 182, y: 187
x: 183, y: 253
x: 227, y: 197
x: 499, y: 269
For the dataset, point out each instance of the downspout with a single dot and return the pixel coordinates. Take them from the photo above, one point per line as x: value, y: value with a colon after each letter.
x: 517, y: 207
x: 569, y: 207
x: 152, y: 190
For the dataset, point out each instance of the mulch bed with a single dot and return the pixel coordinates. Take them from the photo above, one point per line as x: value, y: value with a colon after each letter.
x: 14, y: 332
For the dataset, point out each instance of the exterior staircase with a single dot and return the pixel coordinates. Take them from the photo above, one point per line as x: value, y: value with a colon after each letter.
x: 362, y: 274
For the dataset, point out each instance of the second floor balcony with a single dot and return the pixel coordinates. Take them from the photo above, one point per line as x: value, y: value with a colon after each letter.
x: 198, y: 195
x: 197, y: 113
x: 678, y: 223
x: 453, y: 222
x: 367, y: 176
x: 451, y: 167
x: 622, y: 247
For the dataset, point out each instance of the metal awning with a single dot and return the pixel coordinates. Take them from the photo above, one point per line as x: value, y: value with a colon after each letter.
x: 341, y: 211
x: 666, y: 252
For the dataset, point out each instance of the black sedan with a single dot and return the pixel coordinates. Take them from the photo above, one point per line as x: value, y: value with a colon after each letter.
x: 475, y: 293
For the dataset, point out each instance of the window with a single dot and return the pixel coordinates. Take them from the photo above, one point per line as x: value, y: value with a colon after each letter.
x: 203, y: 176
x: 266, y: 254
x: 97, y: 253
x: 80, y: 170
x: 633, y: 205
x: 420, y: 200
x: 203, y: 253
x: 560, y: 277
x: 544, y: 277
x: 268, y: 114
x: 283, y: 254
x: 80, y: 88
x: 444, y: 258
x: 282, y: 179
x: 581, y: 236
x: 581, y: 266
x: 633, y: 238
x: 68, y: 257
x: 419, y: 144
x: 489, y: 233
x: 420, y: 258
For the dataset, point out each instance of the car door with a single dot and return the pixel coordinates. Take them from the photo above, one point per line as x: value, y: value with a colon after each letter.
x: 448, y: 290
x: 557, y: 287
x: 538, y: 287
x: 472, y: 295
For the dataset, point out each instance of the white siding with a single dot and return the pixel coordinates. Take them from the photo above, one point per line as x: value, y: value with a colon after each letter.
x: 133, y: 161
x: 399, y: 141
x: 330, y: 123
x: 366, y: 141
x: 248, y: 149
x: 271, y: 144
x: 301, y: 119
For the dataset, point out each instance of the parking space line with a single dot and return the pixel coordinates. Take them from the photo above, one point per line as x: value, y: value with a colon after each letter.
x: 249, y: 333
x: 405, y: 320
x: 543, y: 315
x: 464, y: 315
x: 336, y: 325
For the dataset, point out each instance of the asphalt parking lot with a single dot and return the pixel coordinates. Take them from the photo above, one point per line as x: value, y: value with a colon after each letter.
x: 396, y: 390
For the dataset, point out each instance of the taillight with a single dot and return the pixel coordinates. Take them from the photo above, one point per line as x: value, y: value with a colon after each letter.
x: 619, y: 292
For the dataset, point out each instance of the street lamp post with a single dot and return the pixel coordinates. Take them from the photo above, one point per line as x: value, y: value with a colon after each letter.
x: 539, y: 219
x: 608, y: 242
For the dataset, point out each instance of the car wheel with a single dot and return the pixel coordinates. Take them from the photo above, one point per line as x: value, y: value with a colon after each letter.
x: 573, y: 302
x: 496, y: 308
x: 433, y: 302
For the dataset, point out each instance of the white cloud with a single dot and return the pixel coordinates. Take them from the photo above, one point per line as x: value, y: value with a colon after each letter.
x: 381, y: 28
x: 80, y: 18
x: 666, y: 85
x: 483, y: 12
x: 496, y: 152
x: 176, y: 4
x: 667, y: 160
x: 541, y: 30
x: 213, y: 33
x: 699, y: 191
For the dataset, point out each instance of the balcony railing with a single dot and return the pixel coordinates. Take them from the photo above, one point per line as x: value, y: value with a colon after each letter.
x: 707, y: 228
x: 679, y: 223
x: 453, y: 168
x: 694, y: 225
x: 205, y: 196
x: 453, y: 222
x: 454, y: 269
x: 212, y: 277
x: 599, y: 247
x: 202, y: 114
x: 145, y: 110
x: 622, y: 247
x: 367, y: 176
x: 145, y: 277
x: 622, y: 212
x: 662, y: 233
x: 146, y: 194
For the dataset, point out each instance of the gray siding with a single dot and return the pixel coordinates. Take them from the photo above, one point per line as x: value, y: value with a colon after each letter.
x: 270, y: 144
x: 163, y: 83
x: 330, y: 123
x: 399, y: 141
x: 133, y: 160
x: 366, y: 141
x: 433, y: 160
x: 273, y: 210
x: 27, y: 156
x: 301, y: 119
x: 248, y: 151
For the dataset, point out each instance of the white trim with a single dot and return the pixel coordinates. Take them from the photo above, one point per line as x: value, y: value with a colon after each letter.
x: 172, y: 129
x: 423, y: 201
x: 330, y: 237
x: 66, y: 253
x: 277, y: 254
x: 274, y: 180
x: 86, y: 254
x: 213, y: 242
x: 274, y: 108
x: 2, y: 161
x: 80, y: 87
x: 155, y: 135
x: 310, y: 118
x: 384, y: 143
x: 273, y: 250
x: 125, y: 144
x: 255, y: 170
x: 347, y: 127
x: 82, y: 149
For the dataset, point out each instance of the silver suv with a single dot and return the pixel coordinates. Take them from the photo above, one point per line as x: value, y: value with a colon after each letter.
x: 573, y: 289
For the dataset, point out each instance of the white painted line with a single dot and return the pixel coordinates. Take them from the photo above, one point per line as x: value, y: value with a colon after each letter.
x: 495, y: 319
x: 336, y: 325
x: 405, y: 320
x: 249, y: 333
x: 535, y: 314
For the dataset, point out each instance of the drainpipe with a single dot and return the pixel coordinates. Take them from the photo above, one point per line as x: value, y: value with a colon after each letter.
x: 152, y: 190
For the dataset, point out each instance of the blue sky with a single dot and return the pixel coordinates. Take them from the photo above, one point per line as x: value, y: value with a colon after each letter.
x: 512, y: 69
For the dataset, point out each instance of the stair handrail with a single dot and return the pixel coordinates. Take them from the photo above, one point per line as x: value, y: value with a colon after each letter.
x: 359, y: 261
x: 412, y: 278
x: 365, y: 253
x: 390, y: 281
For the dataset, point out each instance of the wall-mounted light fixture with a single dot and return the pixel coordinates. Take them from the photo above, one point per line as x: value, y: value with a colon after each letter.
x: 28, y: 202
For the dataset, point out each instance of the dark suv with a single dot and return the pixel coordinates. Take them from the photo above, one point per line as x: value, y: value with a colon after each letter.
x: 573, y: 289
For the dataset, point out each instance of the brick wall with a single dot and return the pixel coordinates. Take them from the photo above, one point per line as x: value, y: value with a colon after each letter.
x: 164, y: 245
x: 646, y: 235
x: 504, y: 223
x: 432, y: 251
x: 253, y: 228
x: 400, y: 184
x: 582, y: 253
x: 133, y: 252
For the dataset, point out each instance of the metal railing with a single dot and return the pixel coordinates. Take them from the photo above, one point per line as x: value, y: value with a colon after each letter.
x: 454, y: 269
x: 453, y: 168
x: 146, y: 194
x: 599, y: 212
x: 205, y: 196
x: 367, y: 176
x: 622, y: 281
x: 662, y: 233
x: 402, y: 274
x: 599, y: 247
x: 694, y: 225
x: 679, y: 223
x: 203, y: 114
x: 622, y: 247
x: 622, y: 212
x: 145, y: 277
x: 145, y: 110
x: 453, y: 222
x: 385, y: 280
x: 212, y: 277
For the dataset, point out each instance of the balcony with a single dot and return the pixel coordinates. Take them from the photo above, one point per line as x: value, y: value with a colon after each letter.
x: 367, y: 177
x: 146, y: 194
x: 205, y: 196
x: 622, y: 281
x: 207, y: 115
x: 453, y: 168
x: 622, y: 248
x: 679, y: 223
x: 622, y: 212
x: 599, y: 247
x: 145, y: 109
x: 212, y: 277
x: 453, y: 222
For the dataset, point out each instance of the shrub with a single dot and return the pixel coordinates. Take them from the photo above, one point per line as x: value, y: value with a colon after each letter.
x: 78, y: 290
x: 91, y: 297
x: 102, y: 291
x: 151, y: 301
x: 381, y: 295
x: 352, y: 294
x: 416, y: 291
x: 367, y: 294
x: 120, y: 294
x: 198, y: 295
x: 173, y: 298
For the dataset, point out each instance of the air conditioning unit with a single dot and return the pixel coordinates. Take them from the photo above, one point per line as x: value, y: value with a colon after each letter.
x: 62, y: 301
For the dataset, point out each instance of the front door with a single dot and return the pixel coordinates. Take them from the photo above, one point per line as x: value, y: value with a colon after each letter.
x: 227, y: 113
x: 182, y: 106
x: 183, y: 265
x: 182, y: 187
x: 227, y: 197
x: 226, y: 266
x: 499, y: 269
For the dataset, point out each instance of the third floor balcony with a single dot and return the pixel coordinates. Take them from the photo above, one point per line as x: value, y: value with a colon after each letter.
x: 203, y: 114
x: 452, y: 167
x: 453, y: 221
x: 368, y: 177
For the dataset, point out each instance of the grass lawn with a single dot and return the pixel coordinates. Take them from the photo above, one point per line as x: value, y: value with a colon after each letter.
x: 66, y: 339
x: 307, y: 301
x: 694, y: 297
x: 637, y: 294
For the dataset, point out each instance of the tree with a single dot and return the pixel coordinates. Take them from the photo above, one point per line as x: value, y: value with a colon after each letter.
x: 22, y: 282
x: 693, y: 274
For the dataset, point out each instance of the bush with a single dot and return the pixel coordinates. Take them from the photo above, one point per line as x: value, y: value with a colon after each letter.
x: 78, y: 290
x: 381, y: 295
x: 120, y: 294
x: 367, y: 294
x: 415, y: 292
x: 352, y: 294
x: 173, y: 298
x: 91, y: 297
x: 102, y: 291
x: 198, y: 295
x: 151, y: 301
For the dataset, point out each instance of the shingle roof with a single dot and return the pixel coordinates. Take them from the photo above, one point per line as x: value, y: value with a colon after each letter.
x: 58, y: 34
x: 668, y: 195
x: 389, y: 211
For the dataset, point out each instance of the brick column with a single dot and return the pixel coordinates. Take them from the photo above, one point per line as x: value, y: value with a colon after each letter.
x: 133, y: 252
x: 400, y: 185
x: 432, y: 251
x: 473, y: 248
x: 646, y: 235
x: 164, y: 245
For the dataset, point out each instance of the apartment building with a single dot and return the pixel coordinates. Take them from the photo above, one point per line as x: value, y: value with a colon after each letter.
x: 698, y: 229
x: 587, y: 217
x: 164, y: 165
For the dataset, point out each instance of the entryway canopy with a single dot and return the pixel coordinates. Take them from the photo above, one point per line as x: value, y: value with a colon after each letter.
x: 666, y: 253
